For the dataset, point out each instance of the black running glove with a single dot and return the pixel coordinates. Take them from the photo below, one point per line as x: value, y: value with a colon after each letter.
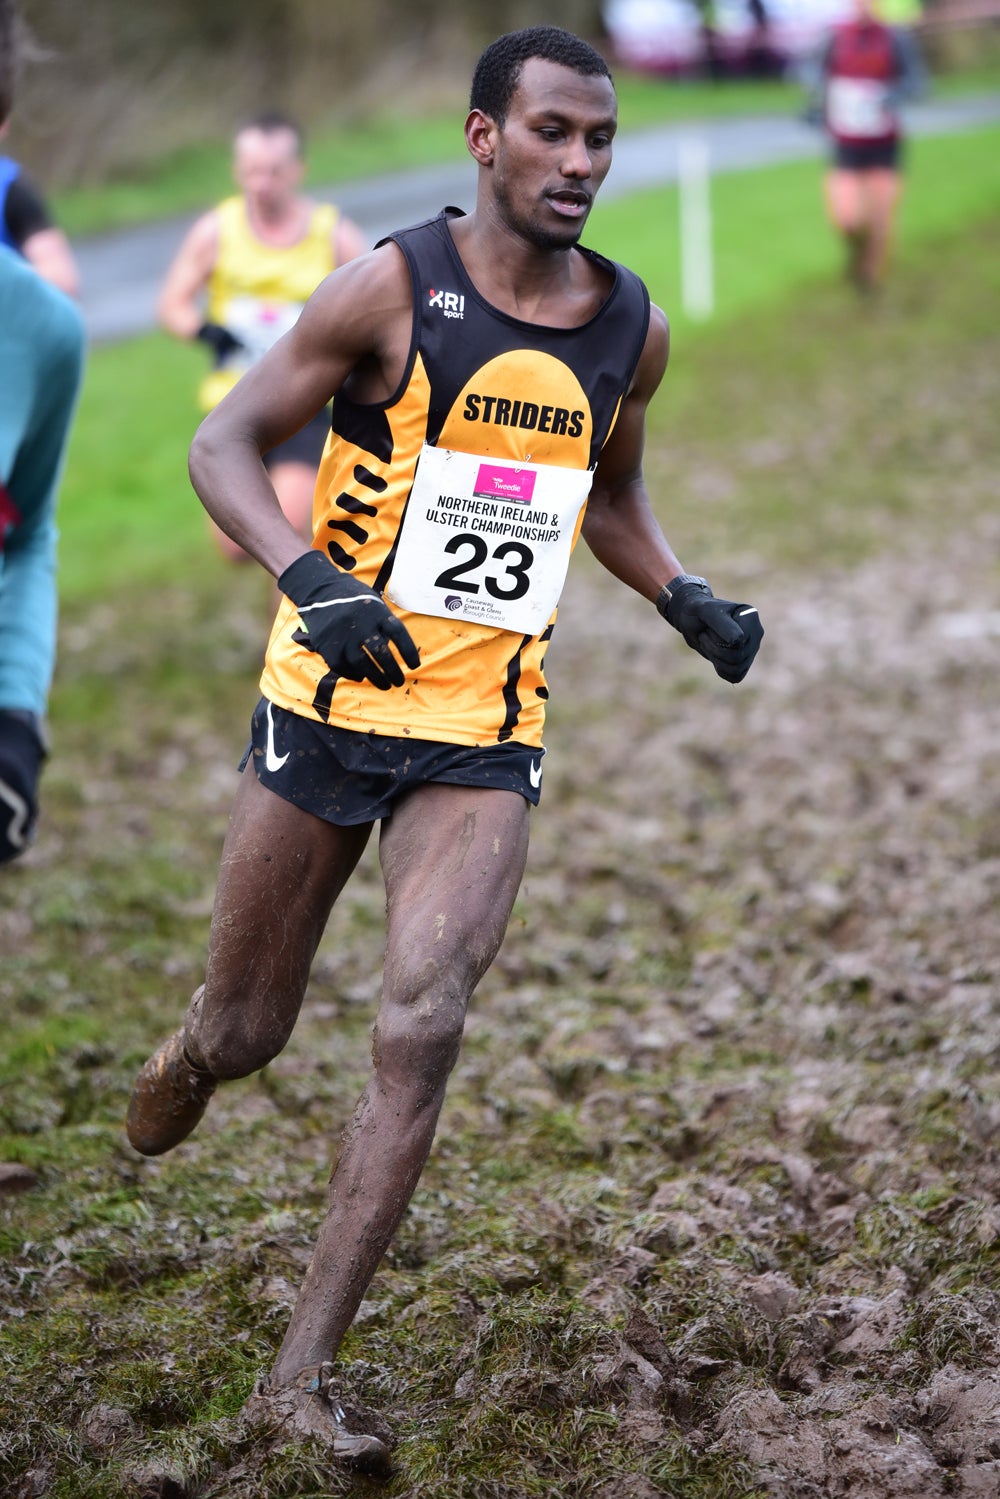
x: 728, y: 635
x: 348, y: 623
x: 219, y: 340
x: 21, y: 756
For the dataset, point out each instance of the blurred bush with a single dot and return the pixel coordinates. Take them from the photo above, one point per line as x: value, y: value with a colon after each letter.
x: 112, y: 85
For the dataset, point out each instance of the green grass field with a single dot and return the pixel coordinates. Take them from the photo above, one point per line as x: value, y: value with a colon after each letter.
x: 712, y: 1210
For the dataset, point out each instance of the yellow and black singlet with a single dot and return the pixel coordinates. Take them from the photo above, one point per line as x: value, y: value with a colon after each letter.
x: 460, y: 498
x: 257, y: 290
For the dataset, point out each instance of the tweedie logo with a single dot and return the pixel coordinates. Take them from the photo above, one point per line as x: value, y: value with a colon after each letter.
x: 498, y: 482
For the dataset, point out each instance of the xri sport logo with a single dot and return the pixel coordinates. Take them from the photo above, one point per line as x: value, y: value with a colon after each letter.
x: 450, y: 303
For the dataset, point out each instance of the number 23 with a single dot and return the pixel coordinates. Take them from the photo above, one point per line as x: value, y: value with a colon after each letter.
x: 515, y: 571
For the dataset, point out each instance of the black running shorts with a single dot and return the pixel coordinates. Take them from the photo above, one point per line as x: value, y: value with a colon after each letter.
x: 862, y: 157
x: 350, y: 778
x: 304, y: 446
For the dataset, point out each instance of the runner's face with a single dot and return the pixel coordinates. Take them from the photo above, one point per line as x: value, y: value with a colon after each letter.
x: 268, y: 169
x: 553, y: 152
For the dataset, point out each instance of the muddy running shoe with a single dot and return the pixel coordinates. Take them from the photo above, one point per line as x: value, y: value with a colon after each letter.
x: 309, y: 1407
x: 168, y: 1099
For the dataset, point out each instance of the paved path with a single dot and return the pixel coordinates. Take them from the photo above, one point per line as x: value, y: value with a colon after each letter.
x: 122, y: 271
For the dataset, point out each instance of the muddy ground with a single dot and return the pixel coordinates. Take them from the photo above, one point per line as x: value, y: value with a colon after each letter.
x: 843, y: 1018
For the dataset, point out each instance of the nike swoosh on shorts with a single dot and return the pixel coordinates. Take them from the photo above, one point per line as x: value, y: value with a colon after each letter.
x: 272, y: 760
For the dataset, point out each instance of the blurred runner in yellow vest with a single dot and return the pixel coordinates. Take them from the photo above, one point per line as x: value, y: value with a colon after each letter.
x: 242, y: 276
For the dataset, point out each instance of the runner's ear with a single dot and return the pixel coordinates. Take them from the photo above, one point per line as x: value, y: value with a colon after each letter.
x: 480, y: 132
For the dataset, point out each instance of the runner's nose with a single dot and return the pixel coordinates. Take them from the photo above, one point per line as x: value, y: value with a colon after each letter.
x: 576, y: 160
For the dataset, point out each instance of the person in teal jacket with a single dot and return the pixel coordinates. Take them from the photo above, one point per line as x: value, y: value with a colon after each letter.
x: 41, y: 365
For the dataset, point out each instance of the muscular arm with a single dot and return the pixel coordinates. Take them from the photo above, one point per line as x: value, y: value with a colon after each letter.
x: 357, y: 325
x: 619, y: 526
x: 623, y: 533
x: 178, y: 307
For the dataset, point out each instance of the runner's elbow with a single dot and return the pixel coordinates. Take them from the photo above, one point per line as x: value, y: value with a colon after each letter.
x: 218, y: 442
x: 206, y: 451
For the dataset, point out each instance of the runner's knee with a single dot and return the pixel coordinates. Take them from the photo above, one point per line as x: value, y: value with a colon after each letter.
x: 234, y: 1040
x: 418, y: 1033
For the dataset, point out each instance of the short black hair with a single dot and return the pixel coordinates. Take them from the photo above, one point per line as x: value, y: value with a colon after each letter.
x: 498, y: 70
x: 270, y: 120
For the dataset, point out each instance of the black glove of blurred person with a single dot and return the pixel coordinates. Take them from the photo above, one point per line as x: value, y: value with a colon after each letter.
x: 727, y: 634
x: 219, y: 340
x: 348, y: 624
x: 21, y: 754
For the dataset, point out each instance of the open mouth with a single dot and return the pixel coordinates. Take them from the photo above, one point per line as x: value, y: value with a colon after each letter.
x: 570, y: 201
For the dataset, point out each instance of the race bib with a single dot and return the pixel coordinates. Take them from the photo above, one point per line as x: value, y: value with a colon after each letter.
x: 857, y: 107
x: 487, y: 541
x: 258, y: 324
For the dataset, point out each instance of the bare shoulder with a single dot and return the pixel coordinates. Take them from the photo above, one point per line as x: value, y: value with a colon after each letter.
x: 363, y: 308
x: 659, y: 327
x: 375, y: 281
x: 655, y: 353
x: 202, y: 239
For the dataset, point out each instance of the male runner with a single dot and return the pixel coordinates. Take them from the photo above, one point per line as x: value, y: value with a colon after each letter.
x: 862, y: 73
x: 26, y: 225
x: 242, y: 276
x: 490, y: 382
x: 41, y: 361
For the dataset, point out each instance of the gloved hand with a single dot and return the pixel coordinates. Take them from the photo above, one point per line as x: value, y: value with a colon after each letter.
x: 219, y: 340
x: 348, y: 624
x: 21, y: 756
x: 727, y: 634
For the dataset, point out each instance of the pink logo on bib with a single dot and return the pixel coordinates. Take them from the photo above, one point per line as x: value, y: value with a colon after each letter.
x: 497, y: 482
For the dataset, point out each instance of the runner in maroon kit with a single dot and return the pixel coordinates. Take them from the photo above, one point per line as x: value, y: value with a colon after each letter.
x: 862, y: 73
